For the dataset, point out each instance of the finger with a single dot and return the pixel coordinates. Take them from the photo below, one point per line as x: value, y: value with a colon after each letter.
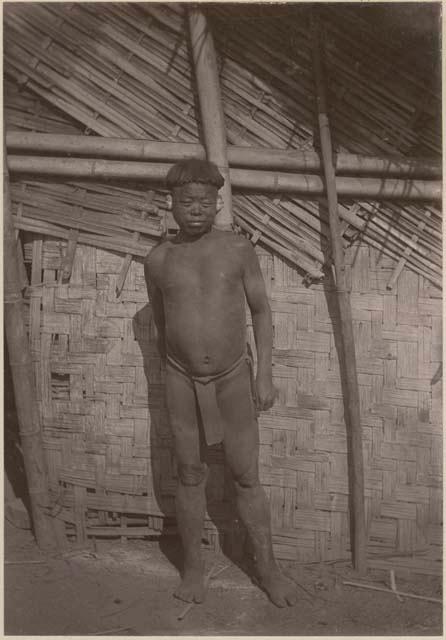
x: 273, y: 397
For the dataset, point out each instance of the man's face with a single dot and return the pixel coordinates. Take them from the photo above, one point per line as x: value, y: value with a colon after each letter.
x: 194, y: 207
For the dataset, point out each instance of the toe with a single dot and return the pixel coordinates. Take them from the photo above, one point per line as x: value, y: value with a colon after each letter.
x: 279, y: 602
x: 183, y: 596
x: 291, y: 599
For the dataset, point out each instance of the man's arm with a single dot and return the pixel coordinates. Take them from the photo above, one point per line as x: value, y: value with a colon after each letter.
x: 262, y: 323
x: 156, y: 302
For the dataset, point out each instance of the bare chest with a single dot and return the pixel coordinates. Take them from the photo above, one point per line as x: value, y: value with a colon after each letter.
x: 190, y: 269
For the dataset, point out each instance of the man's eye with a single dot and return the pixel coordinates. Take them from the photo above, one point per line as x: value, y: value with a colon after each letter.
x: 206, y: 204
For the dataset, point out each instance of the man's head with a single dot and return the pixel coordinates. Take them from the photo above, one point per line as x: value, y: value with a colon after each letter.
x: 194, y: 186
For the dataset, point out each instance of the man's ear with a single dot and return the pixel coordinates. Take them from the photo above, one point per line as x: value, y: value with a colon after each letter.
x: 169, y: 202
x: 219, y: 202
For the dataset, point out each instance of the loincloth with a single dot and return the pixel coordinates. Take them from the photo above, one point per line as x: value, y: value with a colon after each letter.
x: 205, y: 390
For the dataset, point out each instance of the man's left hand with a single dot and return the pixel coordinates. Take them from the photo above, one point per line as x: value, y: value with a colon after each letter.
x: 266, y: 393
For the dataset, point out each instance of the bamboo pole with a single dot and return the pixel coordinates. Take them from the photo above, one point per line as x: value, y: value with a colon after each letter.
x: 245, y: 157
x: 351, y: 401
x: 23, y: 382
x: 264, y: 181
x: 211, y: 107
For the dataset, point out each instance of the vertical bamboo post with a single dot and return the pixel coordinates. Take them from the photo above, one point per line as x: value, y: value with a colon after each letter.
x: 345, y: 312
x: 211, y: 108
x: 23, y: 382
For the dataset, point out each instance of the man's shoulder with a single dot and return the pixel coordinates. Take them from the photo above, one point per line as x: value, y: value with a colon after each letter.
x: 234, y: 240
x: 157, y: 253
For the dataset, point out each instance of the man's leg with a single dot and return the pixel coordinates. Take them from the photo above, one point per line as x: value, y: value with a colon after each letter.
x: 190, y: 509
x: 192, y: 475
x: 241, y: 445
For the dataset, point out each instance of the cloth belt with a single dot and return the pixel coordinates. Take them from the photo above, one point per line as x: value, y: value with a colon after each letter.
x: 206, y: 394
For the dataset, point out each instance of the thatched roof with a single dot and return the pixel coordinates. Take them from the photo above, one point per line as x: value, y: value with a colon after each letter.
x: 124, y: 70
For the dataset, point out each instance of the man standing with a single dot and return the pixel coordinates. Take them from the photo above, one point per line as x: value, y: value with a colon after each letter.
x: 197, y: 285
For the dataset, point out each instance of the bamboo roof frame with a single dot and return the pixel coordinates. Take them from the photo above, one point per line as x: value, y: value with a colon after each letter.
x: 263, y: 109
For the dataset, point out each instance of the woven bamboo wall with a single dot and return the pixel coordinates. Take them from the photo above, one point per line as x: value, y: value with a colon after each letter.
x: 107, y: 439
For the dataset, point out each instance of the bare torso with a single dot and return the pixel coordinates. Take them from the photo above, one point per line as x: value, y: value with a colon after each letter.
x: 201, y: 283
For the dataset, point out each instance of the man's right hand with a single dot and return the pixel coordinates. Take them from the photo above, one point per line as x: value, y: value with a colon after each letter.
x: 266, y: 393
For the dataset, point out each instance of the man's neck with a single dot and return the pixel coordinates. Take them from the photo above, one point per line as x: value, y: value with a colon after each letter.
x: 189, y: 239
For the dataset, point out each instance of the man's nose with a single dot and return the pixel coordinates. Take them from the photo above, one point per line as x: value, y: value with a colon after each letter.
x: 195, y: 208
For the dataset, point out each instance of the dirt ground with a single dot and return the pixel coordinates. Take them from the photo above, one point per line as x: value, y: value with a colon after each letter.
x: 126, y: 589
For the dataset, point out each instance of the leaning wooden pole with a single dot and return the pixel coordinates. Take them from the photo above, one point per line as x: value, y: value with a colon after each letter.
x: 353, y: 417
x: 211, y: 107
x: 23, y: 382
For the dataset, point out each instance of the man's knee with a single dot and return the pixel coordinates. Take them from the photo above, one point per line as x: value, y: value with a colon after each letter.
x: 191, y: 475
x: 249, y: 478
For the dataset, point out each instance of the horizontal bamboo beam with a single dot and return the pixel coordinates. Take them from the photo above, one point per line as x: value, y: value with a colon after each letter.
x: 265, y: 181
x: 246, y: 157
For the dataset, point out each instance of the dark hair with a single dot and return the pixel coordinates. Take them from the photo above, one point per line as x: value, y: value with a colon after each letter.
x: 193, y: 170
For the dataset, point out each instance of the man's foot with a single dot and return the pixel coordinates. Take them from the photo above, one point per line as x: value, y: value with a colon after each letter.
x: 281, y: 590
x: 192, y: 587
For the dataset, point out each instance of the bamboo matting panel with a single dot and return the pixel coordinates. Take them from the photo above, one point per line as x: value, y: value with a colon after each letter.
x: 123, y: 70
x: 106, y: 434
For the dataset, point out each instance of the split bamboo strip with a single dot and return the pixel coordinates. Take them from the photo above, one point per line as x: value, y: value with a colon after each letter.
x: 103, y: 242
x: 352, y: 402
x: 282, y: 217
x: 292, y: 256
x: 60, y: 52
x: 67, y: 262
x: 211, y: 109
x: 268, y: 228
x: 370, y: 231
x: 23, y: 383
x: 264, y: 181
x: 390, y: 235
x: 368, y: 224
x: 78, y: 112
x: 267, y: 221
x: 124, y: 205
x: 98, y: 223
x: 410, y: 219
x: 247, y: 157
x: 397, y: 593
x: 417, y: 264
x: 407, y: 251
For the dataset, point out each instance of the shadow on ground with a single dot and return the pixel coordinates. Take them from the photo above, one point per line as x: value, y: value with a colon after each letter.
x: 126, y: 589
